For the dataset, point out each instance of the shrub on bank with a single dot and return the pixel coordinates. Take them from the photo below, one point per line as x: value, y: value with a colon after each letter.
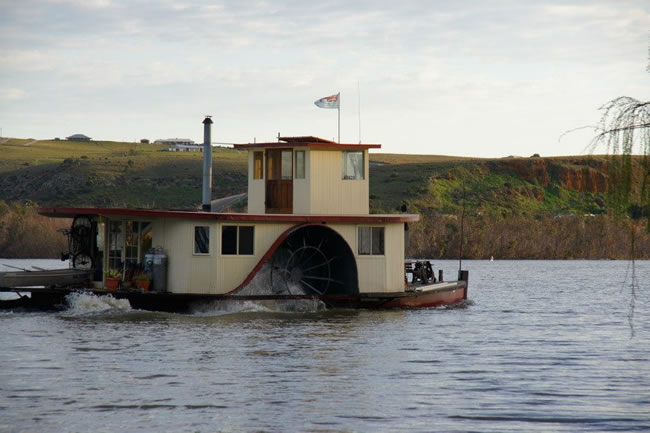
x: 25, y: 234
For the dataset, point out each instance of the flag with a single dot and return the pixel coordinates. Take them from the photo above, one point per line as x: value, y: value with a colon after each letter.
x: 328, y: 101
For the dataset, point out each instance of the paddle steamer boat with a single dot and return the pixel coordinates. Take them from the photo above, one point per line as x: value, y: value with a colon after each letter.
x: 307, y: 234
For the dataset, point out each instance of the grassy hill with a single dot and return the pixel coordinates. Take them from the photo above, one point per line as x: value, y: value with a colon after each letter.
x: 496, y: 187
x: 99, y: 173
x: 514, y: 207
x: 111, y: 174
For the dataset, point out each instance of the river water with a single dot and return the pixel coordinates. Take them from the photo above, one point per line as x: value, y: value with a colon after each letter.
x: 548, y: 346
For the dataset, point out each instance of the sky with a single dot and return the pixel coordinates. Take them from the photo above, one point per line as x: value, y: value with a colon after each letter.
x: 487, y: 78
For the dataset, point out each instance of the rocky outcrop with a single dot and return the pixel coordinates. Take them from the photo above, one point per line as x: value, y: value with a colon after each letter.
x: 582, y: 175
x: 580, y: 178
x: 534, y: 170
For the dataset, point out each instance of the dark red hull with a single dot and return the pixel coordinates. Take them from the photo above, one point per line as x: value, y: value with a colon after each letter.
x: 445, y: 294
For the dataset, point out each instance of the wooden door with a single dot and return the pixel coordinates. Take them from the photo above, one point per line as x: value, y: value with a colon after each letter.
x: 279, y: 181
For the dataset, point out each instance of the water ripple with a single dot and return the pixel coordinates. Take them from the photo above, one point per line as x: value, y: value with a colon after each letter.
x: 530, y: 353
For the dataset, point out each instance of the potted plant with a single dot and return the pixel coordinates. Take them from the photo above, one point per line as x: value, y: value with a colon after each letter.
x: 143, y: 281
x: 112, y: 279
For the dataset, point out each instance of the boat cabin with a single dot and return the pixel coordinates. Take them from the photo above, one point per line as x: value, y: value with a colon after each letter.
x: 308, y: 176
x: 307, y: 231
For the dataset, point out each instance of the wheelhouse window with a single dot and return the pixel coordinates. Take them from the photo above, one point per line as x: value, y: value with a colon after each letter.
x: 300, y: 164
x: 258, y: 165
x: 353, y: 166
x: 279, y: 165
x: 201, y: 240
x: 287, y: 164
x: 237, y: 240
x: 371, y: 241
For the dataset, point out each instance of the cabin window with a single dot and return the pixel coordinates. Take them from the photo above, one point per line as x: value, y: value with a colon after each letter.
x: 237, y: 240
x: 287, y: 166
x: 201, y: 240
x: 300, y: 164
x: 279, y: 165
x: 353, y: 165
x: 229, y: 240
x: 246, y: 240
x: 371, y: 241
x: 377, y: 242
x: 128, y: 241
x: 258, y: 165
x: 115, y: 244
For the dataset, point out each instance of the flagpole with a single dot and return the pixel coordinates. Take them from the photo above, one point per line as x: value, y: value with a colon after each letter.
x: 359, y: 108
x: 339, y: 110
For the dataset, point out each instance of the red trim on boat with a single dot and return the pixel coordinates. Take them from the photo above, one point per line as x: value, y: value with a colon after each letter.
x: 316, y: 145
x: 279, y: 218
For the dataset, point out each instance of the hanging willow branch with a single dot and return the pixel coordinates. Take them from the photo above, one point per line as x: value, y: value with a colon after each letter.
x: 625, y: 131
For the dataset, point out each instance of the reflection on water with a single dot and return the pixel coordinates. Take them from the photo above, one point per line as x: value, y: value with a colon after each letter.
x: 540, y: 346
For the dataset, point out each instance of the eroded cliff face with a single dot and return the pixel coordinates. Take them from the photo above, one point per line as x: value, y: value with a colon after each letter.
x: 581, y: 178
x: 582, y: 175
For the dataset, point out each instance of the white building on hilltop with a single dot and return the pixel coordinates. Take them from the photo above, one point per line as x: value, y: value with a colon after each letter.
x: 175, y: 142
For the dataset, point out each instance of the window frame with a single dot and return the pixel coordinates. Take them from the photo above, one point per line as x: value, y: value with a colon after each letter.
x: 302, y: 173
x: 223, y: 237
x: 199, y: 253
x: 370, y: 230
x: 258, y: 165
x: 286, y: 164
x: 238, y: 240
x: 345, y: 153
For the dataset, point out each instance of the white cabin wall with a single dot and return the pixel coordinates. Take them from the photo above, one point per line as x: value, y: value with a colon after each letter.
x: 217, y: 274
x: 203, y: 272
x: 213, y: 273
x: 232, y: 270
x: 330, y: 193
x: 394, y: 249
x: 323, y: 191
x: 173, y: 236
x: 378, y: 273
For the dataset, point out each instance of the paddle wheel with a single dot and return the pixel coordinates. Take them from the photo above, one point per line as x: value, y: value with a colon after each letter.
x: 312, y: 260
x: 81, y: 242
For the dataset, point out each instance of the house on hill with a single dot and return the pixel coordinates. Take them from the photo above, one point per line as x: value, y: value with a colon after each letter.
x: 78, y: 137
x: 175, y: 141
x: 180, y: 145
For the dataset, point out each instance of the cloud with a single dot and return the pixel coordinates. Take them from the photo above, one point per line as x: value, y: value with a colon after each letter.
x: 85, y: 4
x: 11, y: 94
x: 449, y: 61
x: 26, y: 60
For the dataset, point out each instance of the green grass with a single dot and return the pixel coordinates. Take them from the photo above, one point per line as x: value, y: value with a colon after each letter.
x: 113, y: 174
x: 103, y: 173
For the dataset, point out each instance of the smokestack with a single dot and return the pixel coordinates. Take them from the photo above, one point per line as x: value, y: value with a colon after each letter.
x: 207, y: 163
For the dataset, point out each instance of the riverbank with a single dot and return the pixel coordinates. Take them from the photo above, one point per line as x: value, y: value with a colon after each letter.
x: 25, y: 234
